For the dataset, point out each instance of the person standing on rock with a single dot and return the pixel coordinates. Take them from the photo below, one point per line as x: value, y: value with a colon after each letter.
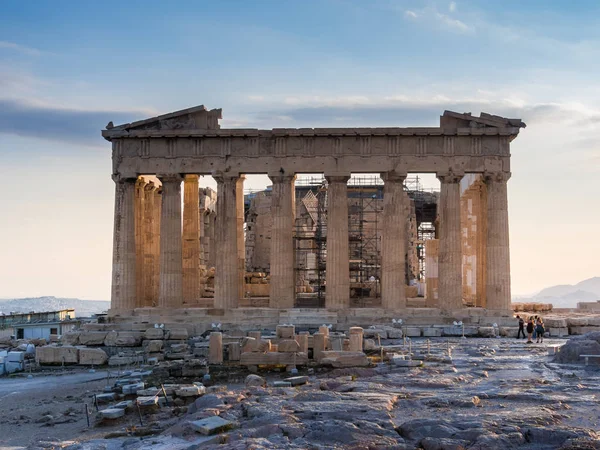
x: 539, y: 329
x: 530, y: 328
x: 521, y: 327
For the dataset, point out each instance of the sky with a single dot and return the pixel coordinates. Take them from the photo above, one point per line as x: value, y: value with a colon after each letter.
x: 68, y: 68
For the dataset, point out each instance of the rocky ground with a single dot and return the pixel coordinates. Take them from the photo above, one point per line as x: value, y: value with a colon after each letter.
x: 491, y: 394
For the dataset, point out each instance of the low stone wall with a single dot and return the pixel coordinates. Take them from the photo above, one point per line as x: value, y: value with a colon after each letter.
x: 532, y: 307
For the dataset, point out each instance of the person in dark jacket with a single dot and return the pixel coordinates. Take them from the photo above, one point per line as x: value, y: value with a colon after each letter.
x: 521, y: 327
x: 530, y: 328
x: 539, y: 330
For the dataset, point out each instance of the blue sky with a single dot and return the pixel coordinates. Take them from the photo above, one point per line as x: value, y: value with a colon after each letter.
x: 67, y: 68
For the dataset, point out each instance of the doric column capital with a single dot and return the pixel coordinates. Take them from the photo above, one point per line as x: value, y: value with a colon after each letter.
x: 282, y: 178
x: 191, y: 177
x: 498, y: 177
x: 393, y: 177
x: 150, y: 186
x: 222, y: 177
x: 449, y: 176
x: 337, y: 178
x: 118, y: 178
x: 170, y: 177
x: 140, y: 182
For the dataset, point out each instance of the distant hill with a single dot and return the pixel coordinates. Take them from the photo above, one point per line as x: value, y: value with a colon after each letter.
x: 568, y: 295
x: 591, y: 285
x: 82, y: 308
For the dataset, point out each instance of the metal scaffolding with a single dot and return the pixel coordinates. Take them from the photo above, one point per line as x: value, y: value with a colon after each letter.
x: 365, y: 206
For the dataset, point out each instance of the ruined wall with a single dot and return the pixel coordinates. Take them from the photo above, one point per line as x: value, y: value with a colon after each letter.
x: 307, y: 216
x: 258, y: 233
x: 208, y: 211
x: 412, y: 236
x: 432, y: 251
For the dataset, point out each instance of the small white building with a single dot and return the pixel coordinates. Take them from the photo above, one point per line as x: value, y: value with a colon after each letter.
x: 39, y: 325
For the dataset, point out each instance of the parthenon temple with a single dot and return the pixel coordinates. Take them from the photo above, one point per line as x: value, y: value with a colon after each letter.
x: 344, y: 232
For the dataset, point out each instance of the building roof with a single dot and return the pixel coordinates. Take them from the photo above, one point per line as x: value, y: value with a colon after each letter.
x: 200, y: 122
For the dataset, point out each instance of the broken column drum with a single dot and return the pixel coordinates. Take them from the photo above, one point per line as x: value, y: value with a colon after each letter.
x: 189, y: 143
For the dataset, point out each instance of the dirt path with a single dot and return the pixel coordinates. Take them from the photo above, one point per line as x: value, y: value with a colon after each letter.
x: 24, y: 403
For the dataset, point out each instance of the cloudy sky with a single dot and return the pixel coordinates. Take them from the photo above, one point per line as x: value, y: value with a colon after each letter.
x: 68, y: 68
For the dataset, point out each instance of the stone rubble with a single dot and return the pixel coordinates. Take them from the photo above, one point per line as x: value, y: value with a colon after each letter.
x: 493, y: 393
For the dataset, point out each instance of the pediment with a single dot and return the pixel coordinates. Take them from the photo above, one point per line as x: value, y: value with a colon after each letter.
x: 451, y: 119
x: 196, y: 118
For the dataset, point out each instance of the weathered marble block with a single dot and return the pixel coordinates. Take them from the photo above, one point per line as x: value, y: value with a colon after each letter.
x: 92, y: 356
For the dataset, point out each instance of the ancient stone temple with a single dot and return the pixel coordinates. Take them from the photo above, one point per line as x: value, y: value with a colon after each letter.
x: 166, y: 236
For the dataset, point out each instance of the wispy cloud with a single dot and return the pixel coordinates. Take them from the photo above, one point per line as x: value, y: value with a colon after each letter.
x: 431, y: 14
x: 552, y: 140
x: 29, y: 119
x: 403, y: 109
x: 19, y: 48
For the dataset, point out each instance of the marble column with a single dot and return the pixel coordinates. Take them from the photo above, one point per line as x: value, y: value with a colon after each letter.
x: 171, y: 268
x: 191, y: 240
x: 139, y: 241
x: 283, y: 284
x: 227, y: 292
x: 450, y: 253
x: 157, y: 213
x: 498, y: 254
x: 202, y: 232
x: 393, y: 293
x: 241, y: 241
x: 150, y: 236
x: 123, y: 290
x: 337, y: 277
x: 211, y: 233
x: 203, y: 243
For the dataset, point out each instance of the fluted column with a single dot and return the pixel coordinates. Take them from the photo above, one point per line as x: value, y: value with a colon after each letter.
x: 202, y: 232
x: 393, y: 267
x: 157, y: 213
x: 283, y: 284
x: 123, y: 290
x: 139, y: 241
x: 171, y: 268
x: 191, y: 239
x: 211, y: 233
x: 337, y: 275
x: 227, y: 293
x: 241, y: 241
x: 498, y: 253
x: 150, y: 236
x: 450, y: 255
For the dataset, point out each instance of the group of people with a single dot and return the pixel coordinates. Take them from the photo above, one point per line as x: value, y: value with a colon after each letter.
x: 535, y: 329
